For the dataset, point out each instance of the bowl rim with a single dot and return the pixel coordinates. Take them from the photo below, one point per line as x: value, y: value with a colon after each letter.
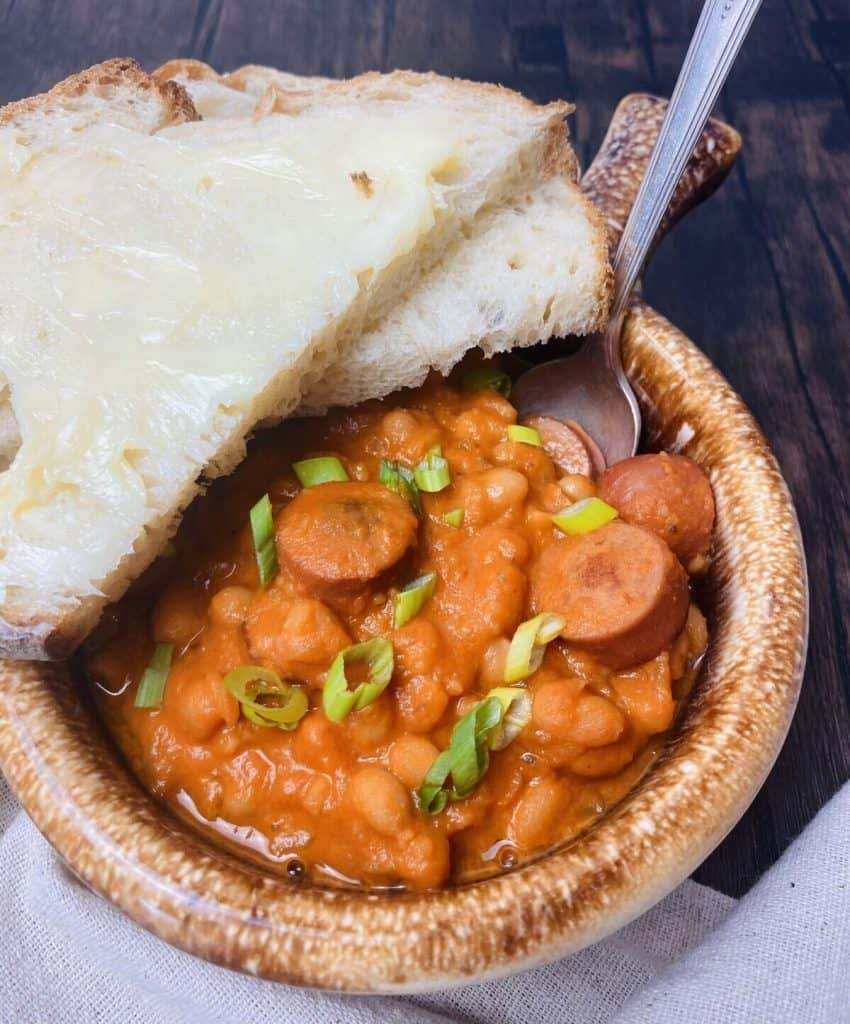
x: 211, y: 903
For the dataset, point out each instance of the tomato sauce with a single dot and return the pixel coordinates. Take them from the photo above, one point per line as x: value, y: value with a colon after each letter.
x: 337, y: 801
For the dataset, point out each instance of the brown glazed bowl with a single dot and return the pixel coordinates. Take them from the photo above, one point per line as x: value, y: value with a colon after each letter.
x: 132, y: 851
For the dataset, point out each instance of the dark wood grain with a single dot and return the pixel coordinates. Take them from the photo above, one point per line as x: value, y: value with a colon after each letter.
x: 759, y: 277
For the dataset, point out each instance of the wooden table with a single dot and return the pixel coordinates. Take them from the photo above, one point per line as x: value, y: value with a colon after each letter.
x: 759, y: 276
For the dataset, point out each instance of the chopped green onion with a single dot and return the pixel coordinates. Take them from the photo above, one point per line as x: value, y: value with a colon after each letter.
x: 469, y: 752
x: 432, y: 797
x: 401, y: 480
x: 265, y: 699
x: 524, y: 435
x: 337, y: 699
x: 454, y: 518
x: 410, y: 599
x: 516, y: 714
x: 262, y: 530
x: 152, y: 685
x: 484, y: 378
x: 529, y: 643
x: 490, y: 725
x: 466, y: 760
x: 584, y: 516
x: 470, y: 746
x: 321, y: 470
x: 432, y: 473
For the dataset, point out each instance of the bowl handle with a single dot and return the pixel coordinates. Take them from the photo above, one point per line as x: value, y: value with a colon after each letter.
x: 612, y: 180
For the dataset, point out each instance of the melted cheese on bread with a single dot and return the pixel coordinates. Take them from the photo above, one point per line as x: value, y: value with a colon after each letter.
x: 157, y: 288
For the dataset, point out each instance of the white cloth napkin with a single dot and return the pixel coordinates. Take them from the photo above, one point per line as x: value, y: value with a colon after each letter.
x: 781, y: 955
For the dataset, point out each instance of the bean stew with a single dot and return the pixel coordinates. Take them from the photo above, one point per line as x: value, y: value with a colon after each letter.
x: 413, y: 642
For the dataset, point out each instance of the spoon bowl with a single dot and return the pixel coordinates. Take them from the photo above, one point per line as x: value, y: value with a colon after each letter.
x: 590, y: 388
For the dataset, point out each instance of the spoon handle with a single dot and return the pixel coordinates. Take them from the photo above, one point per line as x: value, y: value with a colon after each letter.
x: 722, y: 28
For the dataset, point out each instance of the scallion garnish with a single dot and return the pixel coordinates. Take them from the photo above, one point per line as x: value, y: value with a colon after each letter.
x: 401, y: 480
x: 470, y: 746
x: 432, y: 796
x: 466, y: 761
x: 516, y: 714
x: 265, y: 699
x: 484, y: 378
x: 454, y: 518
x: 410, y: 599
x: 432, y: 473
x: 321, y: 470
x: 524, y: 435
x: 337, y: 699
x: 490, y: 725
x: 529, y: 644
x: 152, y: 685
x: 262, y: 530
x: 584, y: 516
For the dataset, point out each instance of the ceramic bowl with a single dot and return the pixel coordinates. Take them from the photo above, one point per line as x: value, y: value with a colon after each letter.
x: 170, y: 879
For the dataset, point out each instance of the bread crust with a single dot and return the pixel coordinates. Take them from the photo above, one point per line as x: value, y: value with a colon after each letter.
x: 177, y: 105
x: 45, y: 640
x: 605, y: 283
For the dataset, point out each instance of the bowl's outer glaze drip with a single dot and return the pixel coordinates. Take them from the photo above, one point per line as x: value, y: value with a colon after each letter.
x: 132, y: 851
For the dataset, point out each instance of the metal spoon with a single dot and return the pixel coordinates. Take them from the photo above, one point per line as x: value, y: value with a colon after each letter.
x: 591, y: 386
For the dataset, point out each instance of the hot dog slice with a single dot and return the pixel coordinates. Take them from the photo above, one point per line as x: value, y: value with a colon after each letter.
x: 668, y: 494
x: 597, y: 459
x: 349, y: 532
x: 620, y: 588
x: 563, y: 445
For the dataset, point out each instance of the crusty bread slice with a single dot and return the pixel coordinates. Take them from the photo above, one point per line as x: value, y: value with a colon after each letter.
x: 529, y: 270
x: 152, y: 314
x: 532, y: 268
x: 526, y: 272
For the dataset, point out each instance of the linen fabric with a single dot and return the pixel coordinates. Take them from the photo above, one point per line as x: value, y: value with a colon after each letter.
x: 779, y: 955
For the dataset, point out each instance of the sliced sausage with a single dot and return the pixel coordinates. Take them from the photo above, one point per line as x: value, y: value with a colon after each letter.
x: 563, y: 445
x: 668, y: 494
x: 620, y: 588
x: 344, y: 532
x: 597, y: 459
